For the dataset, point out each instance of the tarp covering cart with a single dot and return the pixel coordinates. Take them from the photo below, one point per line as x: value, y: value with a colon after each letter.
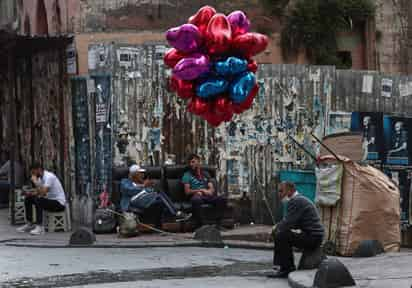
x: 365, y: 206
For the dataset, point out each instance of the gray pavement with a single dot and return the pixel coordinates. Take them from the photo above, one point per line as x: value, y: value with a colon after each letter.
x: 227, y: 282
x: 382, y: 271
x: 145, y: 267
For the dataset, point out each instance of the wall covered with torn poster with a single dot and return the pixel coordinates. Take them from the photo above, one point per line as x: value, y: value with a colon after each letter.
x: 149, y: 124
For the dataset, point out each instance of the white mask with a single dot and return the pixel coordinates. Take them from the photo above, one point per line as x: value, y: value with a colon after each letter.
x: 285, y: 199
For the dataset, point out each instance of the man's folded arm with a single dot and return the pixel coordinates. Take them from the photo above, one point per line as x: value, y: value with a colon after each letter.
x: 293, y: 215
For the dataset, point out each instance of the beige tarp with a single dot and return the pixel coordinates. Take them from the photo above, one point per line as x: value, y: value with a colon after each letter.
x: 369, y: 209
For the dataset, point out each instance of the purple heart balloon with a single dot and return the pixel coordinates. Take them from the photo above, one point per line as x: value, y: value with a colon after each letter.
x: 185, y: 38
x: 192, y: 67
x: 239, y: 23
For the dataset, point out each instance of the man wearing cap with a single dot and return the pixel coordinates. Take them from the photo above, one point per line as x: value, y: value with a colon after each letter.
x: 137, y: 192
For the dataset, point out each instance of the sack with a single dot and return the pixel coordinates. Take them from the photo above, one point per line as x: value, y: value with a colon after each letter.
x: 329, y: 184
x: 104, y: 221
x: 128, y: 225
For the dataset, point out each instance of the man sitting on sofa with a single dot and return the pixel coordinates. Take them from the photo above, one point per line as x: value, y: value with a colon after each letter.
x: 137, y: 192
x: 201, y: 191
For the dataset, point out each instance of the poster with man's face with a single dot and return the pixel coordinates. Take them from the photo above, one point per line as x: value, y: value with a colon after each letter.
x: 370, y: 125
x: 339, y: 122
x: 397, y: 141
x: 403, y: 180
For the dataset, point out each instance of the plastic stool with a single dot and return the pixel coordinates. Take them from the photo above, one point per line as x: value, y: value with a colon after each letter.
x: 54, y: 221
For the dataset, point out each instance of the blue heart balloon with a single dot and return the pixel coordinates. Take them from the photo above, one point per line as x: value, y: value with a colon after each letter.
x: 211, y: 87
x: 231, y: 66
x: 240, y: 88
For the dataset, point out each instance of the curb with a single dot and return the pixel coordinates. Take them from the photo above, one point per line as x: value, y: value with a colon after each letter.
x: 193, y: 243
x: 293, y: 283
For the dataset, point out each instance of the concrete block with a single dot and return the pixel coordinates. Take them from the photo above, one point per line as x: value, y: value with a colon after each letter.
x: 311, y: 259
x: 369, y: 248
x: 332, y: 274
x: 208, y: 234
x: 82, y: 236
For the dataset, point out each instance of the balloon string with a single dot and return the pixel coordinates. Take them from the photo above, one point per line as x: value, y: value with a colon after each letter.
x: 145, y: 225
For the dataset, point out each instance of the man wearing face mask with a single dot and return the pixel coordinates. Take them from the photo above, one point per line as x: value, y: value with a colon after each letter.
x: 301, y: 228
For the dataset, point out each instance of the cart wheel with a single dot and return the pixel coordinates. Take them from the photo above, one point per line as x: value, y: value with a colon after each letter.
x: 329, y: 248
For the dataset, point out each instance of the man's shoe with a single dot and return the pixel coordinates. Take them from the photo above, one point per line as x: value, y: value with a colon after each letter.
x: 281, y: 273
x: 275, y: 268
x: 38, y: 230
x: 182, y: 216
x: 25, y: 228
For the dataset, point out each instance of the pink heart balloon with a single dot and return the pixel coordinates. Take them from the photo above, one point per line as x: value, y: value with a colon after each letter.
x: 192, y: 67
x: 185, y: 38
x: 239, y: 23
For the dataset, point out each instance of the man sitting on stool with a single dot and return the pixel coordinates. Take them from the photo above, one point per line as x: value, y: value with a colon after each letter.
x: 48, y: 195
x: 301, y: 215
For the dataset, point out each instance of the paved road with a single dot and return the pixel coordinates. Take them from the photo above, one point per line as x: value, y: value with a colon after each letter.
x: 227, y: 282
x: 120, y: 267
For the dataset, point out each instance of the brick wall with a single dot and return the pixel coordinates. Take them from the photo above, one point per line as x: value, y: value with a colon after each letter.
x: 392, y: 23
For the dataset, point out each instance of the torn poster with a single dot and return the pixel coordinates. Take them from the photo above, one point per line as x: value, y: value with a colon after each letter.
x: 154, y: 139
x: 367, y: 84
x: 386, y: 87
x: 405, y: 89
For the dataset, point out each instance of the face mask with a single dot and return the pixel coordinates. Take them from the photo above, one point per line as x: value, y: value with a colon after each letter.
x: 285, y: 199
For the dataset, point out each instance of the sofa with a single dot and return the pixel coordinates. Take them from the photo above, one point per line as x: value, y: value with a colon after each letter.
x: 168, y: 179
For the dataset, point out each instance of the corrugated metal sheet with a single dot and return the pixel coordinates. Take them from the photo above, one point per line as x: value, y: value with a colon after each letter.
x: 42, y: 121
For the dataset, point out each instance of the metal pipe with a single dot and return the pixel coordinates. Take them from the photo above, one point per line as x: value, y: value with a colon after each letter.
x: 326, y: 147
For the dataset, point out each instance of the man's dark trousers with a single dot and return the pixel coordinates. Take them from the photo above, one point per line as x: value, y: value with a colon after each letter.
x: 218, y: 202
x: 40, y: 204
x: 284, y: 243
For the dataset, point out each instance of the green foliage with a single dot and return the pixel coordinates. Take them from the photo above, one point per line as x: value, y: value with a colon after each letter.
x: 313, y: 25
x: 275, y: 7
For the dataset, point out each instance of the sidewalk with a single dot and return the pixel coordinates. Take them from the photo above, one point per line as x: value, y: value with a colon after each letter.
x: 382, y: 271
x: 249, y: 236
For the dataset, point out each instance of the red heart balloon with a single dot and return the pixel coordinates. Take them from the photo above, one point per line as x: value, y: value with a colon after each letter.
x: 237, y: 109
x: 184, y: 89
x: 223, y: 105
x: 213, y: 118
x: 252, y: 66
x: 198, y: 106
x: 218, y: 34
x: 173, y: 56
x: 245, y: 105
x: 250, y: 44
x: 202, y: 17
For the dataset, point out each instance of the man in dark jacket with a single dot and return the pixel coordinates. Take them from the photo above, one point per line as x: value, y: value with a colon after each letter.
x: 301, y: 228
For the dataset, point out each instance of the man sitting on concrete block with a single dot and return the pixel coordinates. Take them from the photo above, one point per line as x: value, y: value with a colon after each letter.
x: 301, y: 215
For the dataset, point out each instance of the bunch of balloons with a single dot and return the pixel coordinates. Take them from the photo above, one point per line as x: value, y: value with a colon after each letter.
x: 212, y: 63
